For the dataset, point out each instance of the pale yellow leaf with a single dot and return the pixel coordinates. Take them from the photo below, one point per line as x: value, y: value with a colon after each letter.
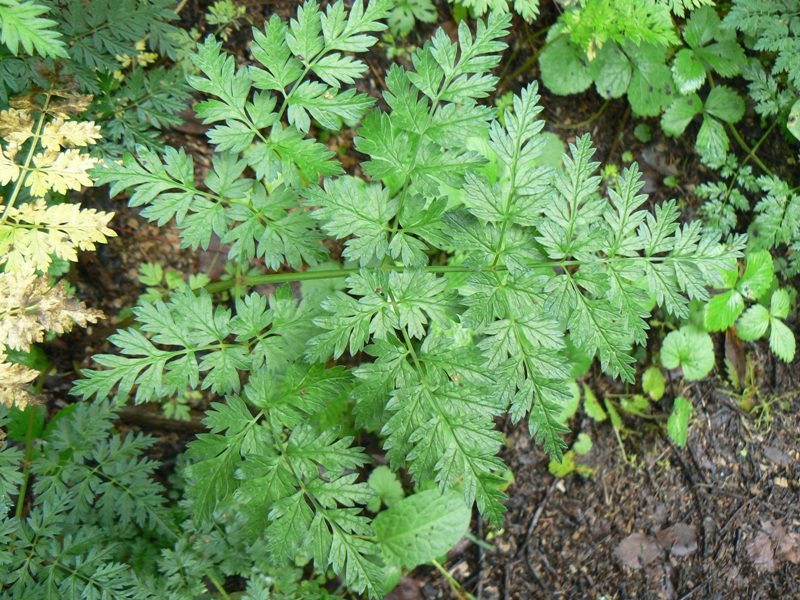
x: 29, y: 308
x: 33, y: 231
x: 14, y: 380
x: 147, y: 58
x: 15, y: 125
x: 60, y: 172
x: 12, y: 149
x: 59, y: 133
x: 39, y: 182
x: 9, y: 170
x: 18, y: 289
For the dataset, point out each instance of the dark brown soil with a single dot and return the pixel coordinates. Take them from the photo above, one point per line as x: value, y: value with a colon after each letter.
x: 717, y: 519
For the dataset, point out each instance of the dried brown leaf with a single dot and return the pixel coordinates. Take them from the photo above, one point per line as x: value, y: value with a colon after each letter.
x: 786, y: 543
x: 680, y: 539
x: 637, y: 551
x: 71, y: 104
x: 761, y: 552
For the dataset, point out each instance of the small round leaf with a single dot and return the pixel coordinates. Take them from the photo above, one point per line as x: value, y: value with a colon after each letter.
x: 691, y: 349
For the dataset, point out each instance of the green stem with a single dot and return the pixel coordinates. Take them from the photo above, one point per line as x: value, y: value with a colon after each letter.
x: 517, y: 50
x: 451, y: 580
x: 751, y: 154
x: 253, y: 280
x: 42, y: 376
x: 742, y: 143
x: 26, y: 473
x: 585, y: 122
x: 750, y: 151
x: 218, y: 585
x: 525, y: 67
x: 291, y: 277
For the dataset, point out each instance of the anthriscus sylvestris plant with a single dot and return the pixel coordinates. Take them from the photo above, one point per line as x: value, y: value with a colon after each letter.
x: 467, y: 270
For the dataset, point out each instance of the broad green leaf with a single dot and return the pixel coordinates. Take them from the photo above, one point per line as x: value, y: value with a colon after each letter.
x: 726, y: 58
x: 591, y: 405
x: 421, y: 527
x: 781, y: 340
x: 779, y: 304
x: 635, y: 404
x: 701, y: 27
x: 565, y: 68
x: 678, y: 422
x: 653, y: 383
x: 753, y: 324
x: 793, y: 124
x: 722, y: 310
x: 680, y: 113
x: 757, y: 277
x: 691, y: 349
x: 651, y: 88
x: 725, y: 104
x: 386, y: 485
x: 688, y: 71
x: 712, y: 141
x: 612, y: 71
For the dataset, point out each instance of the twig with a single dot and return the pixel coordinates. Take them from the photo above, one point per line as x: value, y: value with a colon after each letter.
x: 691, y: 591
x: 585, y: 122
x: 144, y: 417
x: 693, y: 486
x: 538, y: 514
x: 531, y: 526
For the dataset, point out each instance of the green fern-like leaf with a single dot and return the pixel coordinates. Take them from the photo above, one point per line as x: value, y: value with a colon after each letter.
x: 21, y: 24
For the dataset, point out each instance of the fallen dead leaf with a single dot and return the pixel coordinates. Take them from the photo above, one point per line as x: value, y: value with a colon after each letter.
x: 761, y: 553
x: 773, y: 542
x: 637, y: 551
x: 779, y: 457
x: 680, y: 539
x: 787, y: 543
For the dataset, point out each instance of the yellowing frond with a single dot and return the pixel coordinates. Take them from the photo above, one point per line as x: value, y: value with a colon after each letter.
x: 15, y: 126
x: 29, y: 307
x: 69, y: 104
x: 34, y: 231
x: 9, y: 170
x: 13, y: 381
x: 59, y: 133
x: 60, y: 171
